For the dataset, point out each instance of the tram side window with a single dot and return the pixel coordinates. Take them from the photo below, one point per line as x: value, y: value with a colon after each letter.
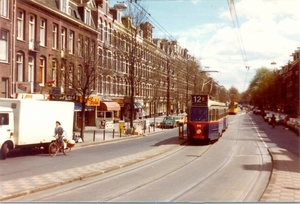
x: 212, y: 114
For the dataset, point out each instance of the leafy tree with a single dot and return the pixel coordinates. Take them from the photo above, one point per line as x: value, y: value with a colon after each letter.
x: 82, y: 79
x: 262, y: 88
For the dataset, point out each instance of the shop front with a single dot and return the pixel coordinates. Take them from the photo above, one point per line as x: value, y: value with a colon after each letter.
x: 90, y: 111
x: 107, y: 113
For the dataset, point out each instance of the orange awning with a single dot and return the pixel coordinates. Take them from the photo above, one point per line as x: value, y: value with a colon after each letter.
x: 109, y: 106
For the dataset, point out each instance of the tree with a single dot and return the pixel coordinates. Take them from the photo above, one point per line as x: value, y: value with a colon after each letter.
x: 262, y: 88
x: 81, y: 78
x: 234, y: 94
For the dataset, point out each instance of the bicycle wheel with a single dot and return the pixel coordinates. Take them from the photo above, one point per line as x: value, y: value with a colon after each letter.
x: 53, y: 149
x: 66, y: 151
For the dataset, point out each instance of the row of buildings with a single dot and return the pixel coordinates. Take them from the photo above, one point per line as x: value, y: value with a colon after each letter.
x: 56, y: 49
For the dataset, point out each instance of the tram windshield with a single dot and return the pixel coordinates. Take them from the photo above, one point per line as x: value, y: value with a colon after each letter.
x: 199, y: 114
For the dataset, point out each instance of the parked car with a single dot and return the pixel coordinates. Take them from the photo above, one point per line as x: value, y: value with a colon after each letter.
x: 257, y: 111
x: 180, y: 119
x: 268, y: 116
x: 168, y: 122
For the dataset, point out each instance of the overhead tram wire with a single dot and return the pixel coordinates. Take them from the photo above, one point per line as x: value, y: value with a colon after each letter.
x: 234, y: 19
x: 156, y: 23
x: 239, y: 37
x: 153, y: 21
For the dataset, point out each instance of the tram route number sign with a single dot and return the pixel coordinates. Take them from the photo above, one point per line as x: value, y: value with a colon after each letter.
x: 199, y: 100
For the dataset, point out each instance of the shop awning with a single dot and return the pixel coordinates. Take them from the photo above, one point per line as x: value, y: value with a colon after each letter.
x: 78, y: 107
x: 109, y: 106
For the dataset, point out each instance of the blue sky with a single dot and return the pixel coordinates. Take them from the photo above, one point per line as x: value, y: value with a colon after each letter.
x: 268, y: 31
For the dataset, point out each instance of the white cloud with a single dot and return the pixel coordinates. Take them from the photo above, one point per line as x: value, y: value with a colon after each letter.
x: 270, y: 32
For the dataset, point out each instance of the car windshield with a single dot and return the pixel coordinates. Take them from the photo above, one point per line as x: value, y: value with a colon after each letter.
x: 168, y: 118
x: 199, y: 114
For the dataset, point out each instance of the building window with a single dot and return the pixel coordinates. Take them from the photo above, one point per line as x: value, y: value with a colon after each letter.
x: 87, y: 17
x: 71, y: 42
x: 4, y: 8
x: 63, y: 39
x: 64, y: 5
x: 20, y: 25
x: 80, y: 45
x: 30, y: 69
x: 42, y: 70
x: 31, y: 34
x: 20, y: 67
x: 53, y: 70
x: 54, y: 36
x: 4, y: 46
x: 4, y: 88
x: 100, y: 28
x: 43, y: 32
x: 70, y: 77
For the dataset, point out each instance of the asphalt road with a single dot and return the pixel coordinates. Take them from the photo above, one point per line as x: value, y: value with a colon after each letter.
x: 236, y: 168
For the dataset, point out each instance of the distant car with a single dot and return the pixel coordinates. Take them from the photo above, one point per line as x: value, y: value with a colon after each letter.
x: 168, y: 122
x: 267, y: 116
x: 180, y: 119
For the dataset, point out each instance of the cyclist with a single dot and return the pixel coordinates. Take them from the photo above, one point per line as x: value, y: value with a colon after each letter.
x: 273, y: 120
x: 59, y: 131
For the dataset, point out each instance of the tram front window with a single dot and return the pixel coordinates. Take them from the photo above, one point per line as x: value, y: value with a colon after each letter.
x: 199, y: 114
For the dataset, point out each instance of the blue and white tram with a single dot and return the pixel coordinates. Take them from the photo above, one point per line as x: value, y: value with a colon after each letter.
x: 207, y: 119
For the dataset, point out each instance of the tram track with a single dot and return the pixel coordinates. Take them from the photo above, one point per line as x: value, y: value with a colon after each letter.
x: 153, y: 179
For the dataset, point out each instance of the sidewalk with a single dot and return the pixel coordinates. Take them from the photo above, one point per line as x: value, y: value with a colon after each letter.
x: 93, y: 135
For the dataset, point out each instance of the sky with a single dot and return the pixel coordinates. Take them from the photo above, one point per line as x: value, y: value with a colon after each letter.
x: 255, y: 34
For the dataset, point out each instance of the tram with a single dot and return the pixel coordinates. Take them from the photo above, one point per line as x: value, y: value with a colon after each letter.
x: 233, y: 107
x: 207, y: 119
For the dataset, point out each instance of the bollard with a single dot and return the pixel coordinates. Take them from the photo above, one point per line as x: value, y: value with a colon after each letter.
x: 94, y: 135
x: 120, y: 134
x: 180, y: 130
x: 113, y: 136
x: 103, y: 134
x: 149, y: 129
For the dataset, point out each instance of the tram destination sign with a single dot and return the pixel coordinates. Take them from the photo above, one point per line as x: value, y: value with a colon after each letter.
x: 199, y: 100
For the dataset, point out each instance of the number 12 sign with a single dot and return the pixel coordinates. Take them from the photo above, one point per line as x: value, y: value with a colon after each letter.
x: 199, y: 100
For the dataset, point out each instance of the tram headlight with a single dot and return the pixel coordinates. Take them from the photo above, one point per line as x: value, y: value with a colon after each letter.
x: 198, y: 131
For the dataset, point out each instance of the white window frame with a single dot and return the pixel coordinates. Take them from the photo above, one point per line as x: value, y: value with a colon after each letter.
x: 30, y: 69
x: 64, y: 5
x: 4, y: 45
x: 20, y: 67
x: 87, y: 16
x: 71, y: 42
x: 63, y: 39
x: 4, y: 11
x: 31, y: 34
x: 54, y: 70
x: 20, y: 25
x: 42, y: 67
x: 54, y: 36
x: 43, y: 32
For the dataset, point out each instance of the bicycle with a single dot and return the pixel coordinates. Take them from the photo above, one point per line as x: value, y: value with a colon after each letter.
x: 55, y: 147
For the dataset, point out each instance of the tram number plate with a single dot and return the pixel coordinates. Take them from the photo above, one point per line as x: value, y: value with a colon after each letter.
x: 199, y: 100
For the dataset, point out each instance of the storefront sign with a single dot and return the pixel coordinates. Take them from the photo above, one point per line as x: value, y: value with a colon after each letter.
x: 23, y: 87
x: 92, y: 101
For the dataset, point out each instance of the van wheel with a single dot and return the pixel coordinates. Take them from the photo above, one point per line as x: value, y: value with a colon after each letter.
x: 4, y: 151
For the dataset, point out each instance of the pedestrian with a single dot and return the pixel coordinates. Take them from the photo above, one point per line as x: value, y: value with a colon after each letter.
x: 60, y: 133
x: 273, y: 120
